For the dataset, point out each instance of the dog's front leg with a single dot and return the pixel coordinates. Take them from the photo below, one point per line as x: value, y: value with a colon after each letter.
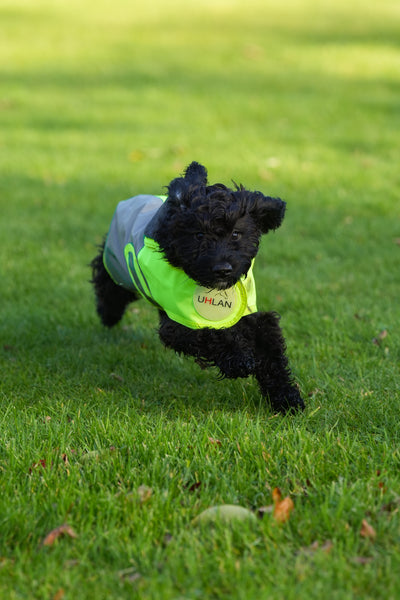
x: 226, y: 349
x: 272, y: 368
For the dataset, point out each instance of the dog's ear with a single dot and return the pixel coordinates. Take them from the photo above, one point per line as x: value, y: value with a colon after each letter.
x: 267, y: 212
x: 179, y: 190
x: 196, y: 174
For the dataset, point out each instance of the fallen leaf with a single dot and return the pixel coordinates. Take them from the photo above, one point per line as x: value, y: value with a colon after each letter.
x: 194, y: 486
x: 5, y: 561
x: 362, y: 560
x: 276, y: 495
x: 381, y: 336
x: 325, y: 547
x: 392, y: 506
x: 282, y: 508
x: 117, y: 377
x: 144, y: 493
x: 367, y: 531
x: 41, y: 463
x: 92, y: 455
x: 215, y: 441
x: 62, y: 530
x: 316, y: 546
x: 225, y: 513
x: 59, y: 594
x: 70, y: 564
x: 130, y: 574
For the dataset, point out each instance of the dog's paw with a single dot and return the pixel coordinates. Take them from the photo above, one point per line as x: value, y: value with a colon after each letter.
x: 288, y: 401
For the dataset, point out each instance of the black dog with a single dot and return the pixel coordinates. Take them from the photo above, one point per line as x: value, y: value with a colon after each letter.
x: 191, y: 255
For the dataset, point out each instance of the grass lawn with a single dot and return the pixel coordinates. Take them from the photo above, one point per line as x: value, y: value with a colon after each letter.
x: 118, y: 439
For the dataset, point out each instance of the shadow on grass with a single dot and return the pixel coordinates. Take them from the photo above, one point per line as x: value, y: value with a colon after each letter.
x: 125, y: 368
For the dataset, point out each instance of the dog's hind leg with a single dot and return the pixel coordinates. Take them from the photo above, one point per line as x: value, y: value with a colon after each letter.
x: 111, y: 299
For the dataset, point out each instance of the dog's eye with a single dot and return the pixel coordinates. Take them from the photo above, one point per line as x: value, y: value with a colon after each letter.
x: 199, y: 235
x: 236, y: 235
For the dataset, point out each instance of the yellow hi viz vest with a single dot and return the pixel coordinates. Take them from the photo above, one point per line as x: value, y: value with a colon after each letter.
x: 134, y: 260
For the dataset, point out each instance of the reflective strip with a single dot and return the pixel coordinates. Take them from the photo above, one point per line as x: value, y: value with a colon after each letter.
x: 136, y: 273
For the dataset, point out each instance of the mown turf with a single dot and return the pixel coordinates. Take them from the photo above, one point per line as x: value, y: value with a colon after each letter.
x: 99, y: 102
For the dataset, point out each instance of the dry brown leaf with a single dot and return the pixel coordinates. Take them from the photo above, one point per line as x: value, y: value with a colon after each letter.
x: 393, y: 506
x: 326, y: 547
x: 59, y: 594
x: 362, y: 560
x: 144, y: 493
x: 62, y: 530
x: 381, y: 336
x: 215, y: 441
x: 42, y: 463
x: 91, y: 455
x: 194, y: 486
x: 130, y: 574
x: 117, y: 377
x: 367, y: 531
x: 282, y: 508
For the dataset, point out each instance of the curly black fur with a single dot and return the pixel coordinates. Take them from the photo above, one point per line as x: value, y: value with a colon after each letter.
x: 212, y: 233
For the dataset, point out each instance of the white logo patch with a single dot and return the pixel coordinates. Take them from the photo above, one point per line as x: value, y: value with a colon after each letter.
x: 214, y: 305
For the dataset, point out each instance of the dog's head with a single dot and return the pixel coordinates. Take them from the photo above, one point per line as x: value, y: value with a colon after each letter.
x: 211, y: 231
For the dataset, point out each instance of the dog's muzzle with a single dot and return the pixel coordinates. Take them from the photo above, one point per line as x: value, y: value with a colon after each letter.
x: 222, y: 270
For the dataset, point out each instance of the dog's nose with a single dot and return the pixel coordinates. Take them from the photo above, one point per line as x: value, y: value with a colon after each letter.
x: 222, y: 269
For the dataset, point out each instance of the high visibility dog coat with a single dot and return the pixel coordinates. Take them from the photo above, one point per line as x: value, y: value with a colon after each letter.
x: 134, y: 260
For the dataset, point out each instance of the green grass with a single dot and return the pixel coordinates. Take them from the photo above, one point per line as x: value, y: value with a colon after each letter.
x: 100, y: 101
